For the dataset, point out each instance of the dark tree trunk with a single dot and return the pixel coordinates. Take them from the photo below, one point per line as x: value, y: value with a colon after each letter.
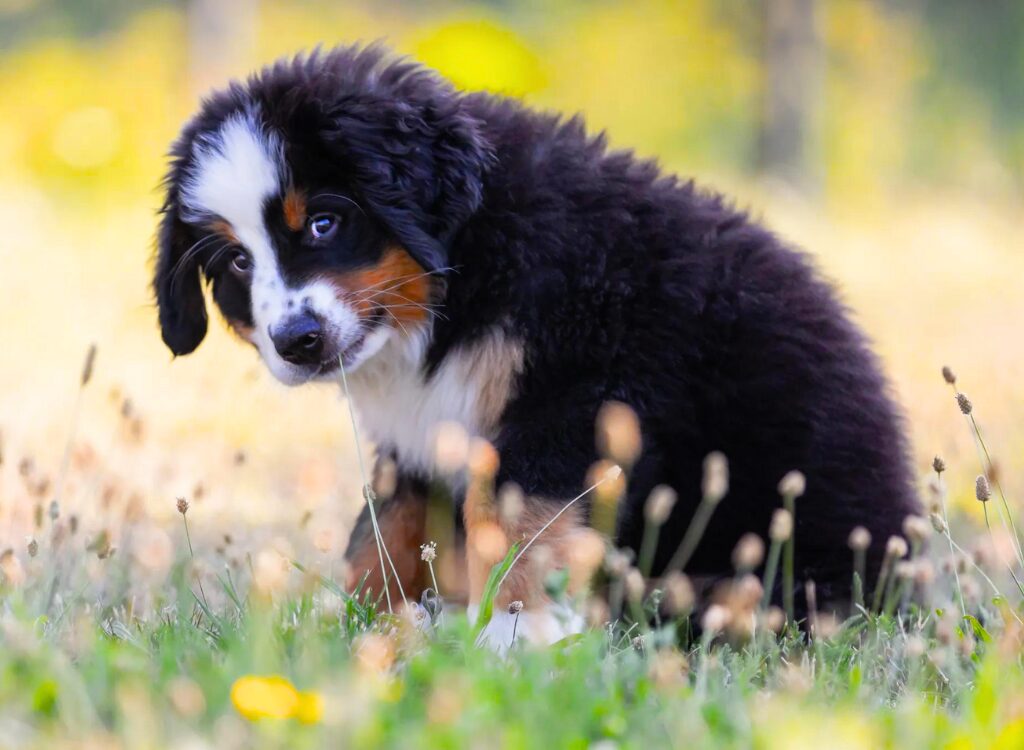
x: 222, y: 40
x: 791, y: 94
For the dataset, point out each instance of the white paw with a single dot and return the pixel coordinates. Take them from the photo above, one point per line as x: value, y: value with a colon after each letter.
x: 539, y: 627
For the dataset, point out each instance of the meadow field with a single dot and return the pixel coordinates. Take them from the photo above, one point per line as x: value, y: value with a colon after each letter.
x: 125, y: 622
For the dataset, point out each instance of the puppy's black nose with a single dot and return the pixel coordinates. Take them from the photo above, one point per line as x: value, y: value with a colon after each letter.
x: 299, y: 340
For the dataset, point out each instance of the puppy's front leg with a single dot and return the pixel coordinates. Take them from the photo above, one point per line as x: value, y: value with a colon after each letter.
x: 402, y: 517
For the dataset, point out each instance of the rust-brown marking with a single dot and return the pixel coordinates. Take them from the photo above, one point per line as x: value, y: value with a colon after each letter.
x: 294, y: 206
x: 488, y: 538
x: 241, y: 329
x: 224, y: 230
x: 396, y: 282
x: 402, y: 522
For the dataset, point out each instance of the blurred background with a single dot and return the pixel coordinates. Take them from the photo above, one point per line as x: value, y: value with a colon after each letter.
x: 885, y: 137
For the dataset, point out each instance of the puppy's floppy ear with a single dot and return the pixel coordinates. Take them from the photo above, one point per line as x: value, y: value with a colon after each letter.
x: 176, y: 283
x: 419, y: 160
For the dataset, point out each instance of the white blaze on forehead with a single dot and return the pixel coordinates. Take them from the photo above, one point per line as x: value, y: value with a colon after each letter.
x: 235, y: 170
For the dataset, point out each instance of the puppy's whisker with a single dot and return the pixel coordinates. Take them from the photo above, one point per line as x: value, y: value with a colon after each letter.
x: 343, y: 198
x: 397, y: 281
x: 396, y: 295
x: 434, y: 313
x: 180, y: 267
x: 219, y: 252
x: 194, y: 250
x: 398, y: 322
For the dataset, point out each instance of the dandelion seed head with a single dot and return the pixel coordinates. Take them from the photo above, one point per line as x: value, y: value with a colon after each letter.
x: 511, y: 502
x: 679, y: 594
x: 775, y: 619
x: 859, y: 539
x: 716, y: 477
x: 716, y: 619
x: 451, y: 447
x: 781, y: 527
x: 618, y: 433
x: 659, y: 504
x: 794, y: 484
x: 748, y: 553
x: 617, y: 562
x: 916, y: 529
x: 635, y: 585
x: 896, y: 547
x: 483, y: 460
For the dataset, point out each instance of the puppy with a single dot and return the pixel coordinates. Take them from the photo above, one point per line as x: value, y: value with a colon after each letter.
x: 469, y: 260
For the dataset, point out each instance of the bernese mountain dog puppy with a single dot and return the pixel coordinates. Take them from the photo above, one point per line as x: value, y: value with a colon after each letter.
x: 470, y: 260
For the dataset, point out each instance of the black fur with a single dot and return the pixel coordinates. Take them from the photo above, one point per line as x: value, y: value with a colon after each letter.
x: 622, y: 282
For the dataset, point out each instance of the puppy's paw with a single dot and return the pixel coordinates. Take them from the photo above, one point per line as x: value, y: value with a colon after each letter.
x: 539, y: 627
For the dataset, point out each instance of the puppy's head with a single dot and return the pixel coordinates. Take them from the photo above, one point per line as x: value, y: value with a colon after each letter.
x: 318, y: 200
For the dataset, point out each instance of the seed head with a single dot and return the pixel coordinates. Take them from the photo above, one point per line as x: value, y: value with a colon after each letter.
x: 428, y: 552
x: 635, y: 585
x: 859, y: 539
x: 511, y: 502
x: 483, y: 459
x: 33, y: 547
x: 781, y: 527
x: 748, y: 553
x: 90, y: 361
x: 793, y: 484
x: 617, y: 561
x: 936, y: 492
x: 938, y: 464
x: 916, y: 529
x: 182, y: 505
x: 679, y: 595
x: 514, y: 608
x: 964, y: 403
x: 618, y: 433
x: 775, y: 619
x: 937, y: 523
x: 896, y: 547
x: 451, y: 447
x: 904, y: 569
x: 54, y: 510
x: 981, y: 488
x: 716, y: 477
x: 924, y: 572
x: 716, y: 618
x: 659, y: 504
x: 948, y: 375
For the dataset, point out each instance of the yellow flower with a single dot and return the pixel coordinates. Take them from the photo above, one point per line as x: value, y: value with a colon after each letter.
x: 274, y: 697
x: 310, y: 708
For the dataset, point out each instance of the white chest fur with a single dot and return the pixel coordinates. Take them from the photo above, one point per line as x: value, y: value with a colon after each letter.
x: 400, y: 406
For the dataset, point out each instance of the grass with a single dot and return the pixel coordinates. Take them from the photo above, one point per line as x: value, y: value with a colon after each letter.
x: 144, y: 643
x: 107, y: 638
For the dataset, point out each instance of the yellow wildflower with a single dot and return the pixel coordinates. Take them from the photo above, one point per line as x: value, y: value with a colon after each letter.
x: 274, y: 697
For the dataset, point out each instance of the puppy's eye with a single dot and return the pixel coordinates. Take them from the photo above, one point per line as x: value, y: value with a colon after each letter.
x: 241, y: 263
x: 322, y: 226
